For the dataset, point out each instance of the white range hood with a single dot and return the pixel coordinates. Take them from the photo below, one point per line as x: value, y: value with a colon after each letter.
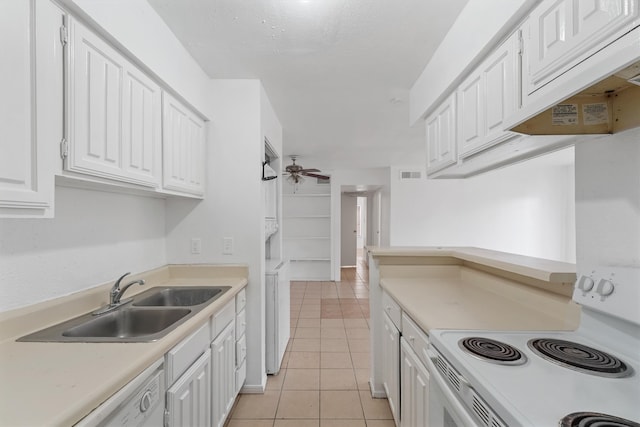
x: 599, y: 95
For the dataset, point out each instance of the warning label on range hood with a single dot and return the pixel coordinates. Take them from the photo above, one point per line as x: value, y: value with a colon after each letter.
x: 564, y: 115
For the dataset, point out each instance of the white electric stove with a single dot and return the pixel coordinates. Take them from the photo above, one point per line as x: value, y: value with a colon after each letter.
x: 530, y: 387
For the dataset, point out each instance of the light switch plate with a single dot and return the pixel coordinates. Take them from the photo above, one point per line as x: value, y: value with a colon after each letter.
x: 196, y: 246
x: 227, y: 245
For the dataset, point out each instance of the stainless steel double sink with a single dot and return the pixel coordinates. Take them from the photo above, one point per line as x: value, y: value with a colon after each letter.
x: 150, y: 316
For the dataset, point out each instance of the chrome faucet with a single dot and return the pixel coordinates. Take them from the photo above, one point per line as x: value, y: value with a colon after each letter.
x: 116, y: 293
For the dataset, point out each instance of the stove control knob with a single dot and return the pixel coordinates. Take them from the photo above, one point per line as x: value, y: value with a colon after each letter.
x: 605, y: 288
x: 585, y: 283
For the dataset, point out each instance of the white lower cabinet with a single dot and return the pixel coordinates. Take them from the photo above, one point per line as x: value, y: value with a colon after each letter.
x: 188, y: 374
x: 223, y: 363
x: 391, y: 367
x: 189, y: 398
x: 205, y: 371
x: 414, y: 388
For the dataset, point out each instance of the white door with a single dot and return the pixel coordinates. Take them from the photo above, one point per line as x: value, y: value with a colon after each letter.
x: 189, y: 398
x: 375, y: 233
x: 348, y: 231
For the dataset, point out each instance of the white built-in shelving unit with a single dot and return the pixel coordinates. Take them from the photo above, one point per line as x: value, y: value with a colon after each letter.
x: 307, y: 232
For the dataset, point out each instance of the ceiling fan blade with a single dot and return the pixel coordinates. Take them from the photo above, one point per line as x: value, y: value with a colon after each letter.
x: 310, y: 170
x: 315, y: 175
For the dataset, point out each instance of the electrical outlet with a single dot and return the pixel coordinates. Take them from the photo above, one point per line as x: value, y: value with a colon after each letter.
x: 196, y: 246
x: 227, y: 245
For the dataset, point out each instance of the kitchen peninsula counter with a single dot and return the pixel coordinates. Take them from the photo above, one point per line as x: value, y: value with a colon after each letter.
x: 473, y: 288
x: 469, y: 289
x: 50, y: 383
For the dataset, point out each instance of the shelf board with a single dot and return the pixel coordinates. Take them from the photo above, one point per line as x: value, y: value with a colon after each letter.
x: 307, y: 195
x: 307, y: 216
x: 307, y: 238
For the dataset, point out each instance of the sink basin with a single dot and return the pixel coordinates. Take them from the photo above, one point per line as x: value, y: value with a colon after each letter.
x: 152, y: 315
x: 128, y: 323
x: 180, y: 296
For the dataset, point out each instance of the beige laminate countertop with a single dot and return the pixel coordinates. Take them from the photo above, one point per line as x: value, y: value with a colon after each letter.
x: 535, y: 268
x: 456, y: 303
x: 60, y: 383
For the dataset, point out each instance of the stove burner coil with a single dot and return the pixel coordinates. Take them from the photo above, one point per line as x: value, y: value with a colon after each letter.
x: 492, y: 351
x: 594, y: 419
x: 579, y: 357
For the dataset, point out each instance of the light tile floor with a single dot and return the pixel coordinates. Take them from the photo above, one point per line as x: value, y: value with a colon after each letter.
x: 323, y: 381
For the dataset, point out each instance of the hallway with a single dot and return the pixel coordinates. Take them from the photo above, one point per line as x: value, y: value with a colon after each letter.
x: 323, y: 381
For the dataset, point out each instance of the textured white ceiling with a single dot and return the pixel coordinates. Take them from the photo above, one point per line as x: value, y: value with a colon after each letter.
x: 337, y: 72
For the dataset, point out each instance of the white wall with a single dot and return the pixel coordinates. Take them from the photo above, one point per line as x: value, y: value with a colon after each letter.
x: 233, y: 205
x: 94, y: 238
x: 608, y: 203
x: 525, y: 209
x: 481, y: 24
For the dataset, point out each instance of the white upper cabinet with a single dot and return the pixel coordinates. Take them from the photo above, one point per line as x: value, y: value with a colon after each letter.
x: 183, y: 148
x: 441, y: 136
x: 564, y: 32
x: 115, y: 114
x: 31, y: 111
x: 487, y: 97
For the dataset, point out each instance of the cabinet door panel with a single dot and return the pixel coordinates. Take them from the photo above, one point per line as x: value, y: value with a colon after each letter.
x: 183, y: 141
x: 563, y: 32
x: 189, y: 399
x: 470, y: 112
x: 96, y: 105
x: 142, y: 127
x: 31, y: 110
x: 415, y: 389
x: 223, y: 374
x: 441, y: 136
x: 470, y: 108
x: 391, y: 363
x: 498, y: 81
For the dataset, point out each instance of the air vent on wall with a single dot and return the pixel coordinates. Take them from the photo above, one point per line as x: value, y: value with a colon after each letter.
x: 410, y: 175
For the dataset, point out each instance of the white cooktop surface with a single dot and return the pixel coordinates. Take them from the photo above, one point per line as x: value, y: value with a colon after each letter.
x: 539, y: 392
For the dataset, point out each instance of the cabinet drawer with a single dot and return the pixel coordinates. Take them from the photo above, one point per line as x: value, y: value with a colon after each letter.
x: 180, y: 357
x: 241, y: 350
x: 392, y: 309
x: 241, y: 300
x: 415, y: 337
x: 221, y: 319
x: 241, y: 324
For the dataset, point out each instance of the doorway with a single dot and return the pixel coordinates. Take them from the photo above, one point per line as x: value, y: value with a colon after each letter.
x: 359, y: 223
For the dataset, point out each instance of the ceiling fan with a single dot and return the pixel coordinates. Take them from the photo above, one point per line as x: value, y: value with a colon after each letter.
x: 296, y: 172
